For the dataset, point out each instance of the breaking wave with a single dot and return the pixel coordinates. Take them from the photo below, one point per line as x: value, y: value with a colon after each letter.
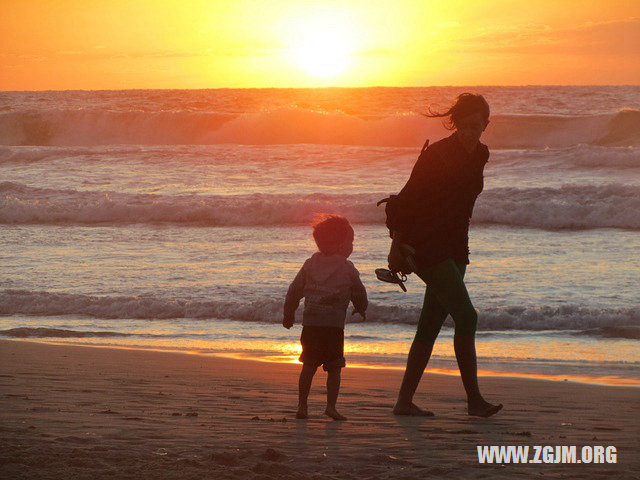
x: 568, y: 207
x: 294, y: 125
x: 612, y: 323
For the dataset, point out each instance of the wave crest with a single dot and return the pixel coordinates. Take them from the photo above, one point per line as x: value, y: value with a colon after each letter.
x: 568, y: 207
x: 608, y: 322
x: 292, y: 125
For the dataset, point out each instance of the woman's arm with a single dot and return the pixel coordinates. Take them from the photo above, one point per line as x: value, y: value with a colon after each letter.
x: 419, y: 193
x: 425, y: 175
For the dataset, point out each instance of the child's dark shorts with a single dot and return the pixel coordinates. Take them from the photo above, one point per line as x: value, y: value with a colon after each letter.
x: 322, y: 346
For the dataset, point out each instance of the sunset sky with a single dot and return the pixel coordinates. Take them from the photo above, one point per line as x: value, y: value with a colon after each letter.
x: 113, y: 44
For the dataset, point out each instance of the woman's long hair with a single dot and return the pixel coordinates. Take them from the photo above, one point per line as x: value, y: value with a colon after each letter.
x: 465, y: 104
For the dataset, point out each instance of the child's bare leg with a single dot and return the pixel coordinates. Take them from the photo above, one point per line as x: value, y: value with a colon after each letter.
x: 304, y: 386
x: 333, y: 388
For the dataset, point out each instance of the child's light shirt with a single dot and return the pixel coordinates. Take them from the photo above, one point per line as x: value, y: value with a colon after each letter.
x: 328, y: 283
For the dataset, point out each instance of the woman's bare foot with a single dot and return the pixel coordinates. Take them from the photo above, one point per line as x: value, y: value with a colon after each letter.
x: 412, y: 410
x: 483, y: 409
x: 302, y: 413
x: 333, y: 413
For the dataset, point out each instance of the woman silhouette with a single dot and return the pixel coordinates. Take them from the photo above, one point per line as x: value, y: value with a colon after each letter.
x: 437, y: 203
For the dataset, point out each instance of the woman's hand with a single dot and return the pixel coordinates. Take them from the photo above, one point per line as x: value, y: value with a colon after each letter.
x: 396, y: 257
x: 288, y: 322
x: 400, y: 257
x: 362, y: 314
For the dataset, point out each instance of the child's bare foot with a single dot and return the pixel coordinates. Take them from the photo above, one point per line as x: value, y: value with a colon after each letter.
x: 302, y: 413
x: 333, y: 413
x: 412, y: 410
x: 483, y: 408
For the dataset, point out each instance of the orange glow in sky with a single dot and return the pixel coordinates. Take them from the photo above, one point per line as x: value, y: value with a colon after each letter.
x: 78, y: 44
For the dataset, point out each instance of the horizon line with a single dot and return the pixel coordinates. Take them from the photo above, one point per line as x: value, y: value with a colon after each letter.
x: 320, y: 87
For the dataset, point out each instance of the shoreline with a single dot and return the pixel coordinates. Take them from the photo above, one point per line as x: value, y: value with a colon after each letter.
x: 275, y: 358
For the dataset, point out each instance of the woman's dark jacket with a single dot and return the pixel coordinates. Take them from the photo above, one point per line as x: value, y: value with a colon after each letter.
x: 438, y: 199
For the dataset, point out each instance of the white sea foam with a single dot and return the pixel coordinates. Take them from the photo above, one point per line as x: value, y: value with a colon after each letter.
x: 593, y: 321
x: 568, y: 207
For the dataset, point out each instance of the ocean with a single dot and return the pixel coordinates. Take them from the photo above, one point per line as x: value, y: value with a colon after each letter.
x: 175, y: 220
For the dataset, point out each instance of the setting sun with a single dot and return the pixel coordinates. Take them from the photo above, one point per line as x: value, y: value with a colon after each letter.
x: 322, y: 44
x: 322, y: 54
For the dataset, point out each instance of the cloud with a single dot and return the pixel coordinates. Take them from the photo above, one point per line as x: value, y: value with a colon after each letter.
x: 612, y: 37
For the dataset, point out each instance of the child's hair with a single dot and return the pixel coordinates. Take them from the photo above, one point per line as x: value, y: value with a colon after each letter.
x: 331, y: 231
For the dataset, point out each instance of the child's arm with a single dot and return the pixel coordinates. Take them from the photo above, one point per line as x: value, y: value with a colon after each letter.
x: 358, y: 294
x: 292, y: 300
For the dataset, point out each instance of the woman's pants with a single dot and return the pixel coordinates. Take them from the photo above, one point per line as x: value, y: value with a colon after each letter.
x: 446, y: 294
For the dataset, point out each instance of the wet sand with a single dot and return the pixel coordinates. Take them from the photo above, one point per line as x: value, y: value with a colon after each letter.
x: 87, y: 412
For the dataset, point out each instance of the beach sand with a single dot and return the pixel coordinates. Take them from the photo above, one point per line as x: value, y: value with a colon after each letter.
x: 87, y: 412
